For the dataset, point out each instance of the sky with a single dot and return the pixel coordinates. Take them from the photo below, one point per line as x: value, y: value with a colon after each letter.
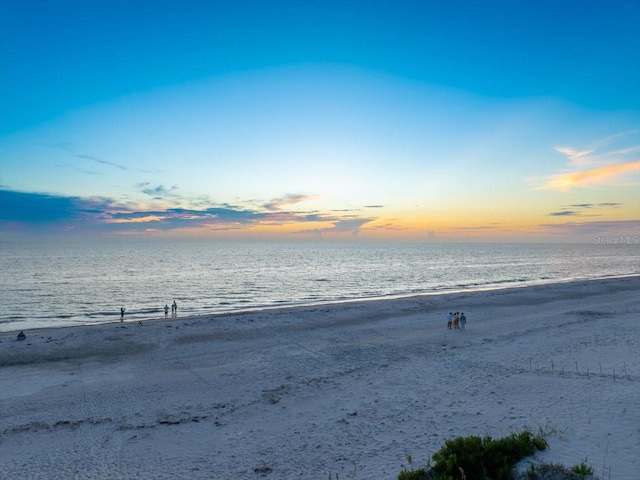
x: 462, y: 120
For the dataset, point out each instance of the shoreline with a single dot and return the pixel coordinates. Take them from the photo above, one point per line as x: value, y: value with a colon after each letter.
x: 303, y: 306
x: 347, y: 389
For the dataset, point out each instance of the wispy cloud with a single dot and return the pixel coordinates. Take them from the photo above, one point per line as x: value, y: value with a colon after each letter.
x: 608, y: 162
x: 100, y: 161
x: 78, y: 169
x: 584, y: 209
x: 565, y: 213
x: 577, y: 158
x: 290, y: 199
x: 159, y: 192
x: 71, y: 148
x: 564, y: 182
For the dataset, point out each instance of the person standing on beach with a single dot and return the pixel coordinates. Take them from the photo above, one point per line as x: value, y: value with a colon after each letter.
x: 449, y: 320
x: 122, y: 314
x: 166, y: 309
x: 174, y: 308
x: 463, y: 321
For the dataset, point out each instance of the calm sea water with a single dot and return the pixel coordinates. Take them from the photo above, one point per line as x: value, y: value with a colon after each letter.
x: 51, y: 285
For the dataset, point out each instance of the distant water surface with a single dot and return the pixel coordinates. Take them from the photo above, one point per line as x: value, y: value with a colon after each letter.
x: 53, y: 285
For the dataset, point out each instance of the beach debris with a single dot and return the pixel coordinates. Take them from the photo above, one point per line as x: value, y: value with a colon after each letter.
x: 263, y: 469
x: 21, y: 336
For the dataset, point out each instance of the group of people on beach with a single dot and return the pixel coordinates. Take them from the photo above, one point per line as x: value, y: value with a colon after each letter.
x: 456, y: 321
x: 174, y: 309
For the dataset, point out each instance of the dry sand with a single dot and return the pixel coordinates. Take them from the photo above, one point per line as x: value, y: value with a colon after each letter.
x: 348, y: 388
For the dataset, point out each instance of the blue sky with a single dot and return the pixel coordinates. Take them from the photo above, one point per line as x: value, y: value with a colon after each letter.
x: 462, y: 120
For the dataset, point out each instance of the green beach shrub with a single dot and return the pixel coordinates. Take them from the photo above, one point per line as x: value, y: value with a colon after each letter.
x: 476, y: 458
x: 464, y: 453
x: 582, y: 469
x: 547, y: 471
x: 419, y: 474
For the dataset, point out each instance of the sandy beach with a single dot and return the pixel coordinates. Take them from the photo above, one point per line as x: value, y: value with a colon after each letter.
x: 347, y: 389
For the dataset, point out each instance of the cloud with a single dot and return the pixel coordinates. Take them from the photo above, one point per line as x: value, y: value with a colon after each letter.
x: 66, y: 146
x: 45, y: 213
x: 351, y: 226
x: 172, y: 218
x: 46, y: 208
x: 78, y: 169
x: 575, y: 157
x: 608, y: 162
x: 582, y: 205
x: 580, y: 209
x: 290, y: 199
x: 102, y: 162
x: 158, y: 192
x: 114, y: 164
x: 70, y: 148
x: 340, y: 226
x: 36, y: 207
x: 564, y: 213
x: 564, y: 182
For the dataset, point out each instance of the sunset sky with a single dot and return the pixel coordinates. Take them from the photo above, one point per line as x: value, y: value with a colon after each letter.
x: 494, y: 120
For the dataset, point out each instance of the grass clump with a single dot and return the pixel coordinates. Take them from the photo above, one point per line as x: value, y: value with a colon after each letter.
x: 419, y: 474
x: 582, y: 469
x: 476, y: 458
x: 552, y: 471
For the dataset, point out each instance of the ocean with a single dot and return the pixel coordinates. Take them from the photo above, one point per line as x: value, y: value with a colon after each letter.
x: 62, y: 284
